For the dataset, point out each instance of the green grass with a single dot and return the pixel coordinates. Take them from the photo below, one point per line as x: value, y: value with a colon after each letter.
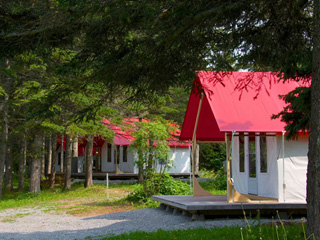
x: 57, y: 198
x: 292, y: 232
x: 79, y: 199
x: 13, y: 218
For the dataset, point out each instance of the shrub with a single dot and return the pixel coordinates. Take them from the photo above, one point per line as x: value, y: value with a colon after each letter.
x: 168, y: 186
x: 220, y: 180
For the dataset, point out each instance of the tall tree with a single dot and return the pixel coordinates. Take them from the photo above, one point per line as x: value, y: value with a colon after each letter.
x: 22, y: 161
x: 49, y: 154
x: 54, y: 160
x: 35, y: 164
x: 68, y: 159
x: 88, y: 162
x: 9, y: 165
x: 6, y: 87
x: 313, y: 176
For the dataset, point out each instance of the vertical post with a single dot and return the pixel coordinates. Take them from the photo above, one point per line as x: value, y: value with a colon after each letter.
x: 283, y: 168
x: 194, y: 137
x: 116, y: 158
x: 107, y: 180
x: 228, y: 165
x: 190, y: 169
x: 197, y: 189
x: 230, y: 159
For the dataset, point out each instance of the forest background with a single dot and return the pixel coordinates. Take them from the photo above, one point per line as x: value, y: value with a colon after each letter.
x: 67, y: 64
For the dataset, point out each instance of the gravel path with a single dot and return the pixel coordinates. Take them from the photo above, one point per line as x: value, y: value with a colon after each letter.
x: 36, y: 224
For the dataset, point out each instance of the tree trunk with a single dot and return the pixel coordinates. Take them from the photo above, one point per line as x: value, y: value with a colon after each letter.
x: 140, y: 163
x: 22, y: 162
x: 75, y: 142
x: 150, y: 158
x: 5, y: 82
x: 35, y: 170
x: 8, y: 173
x: 3, y: 142
x: 54, y: 160
x: 89, y: 162
x: 43, y: 158
x: 75, y: 155
x: 67, y: 180
x: 62, y: 155
x: 49, y: 156
x: 313, y: 175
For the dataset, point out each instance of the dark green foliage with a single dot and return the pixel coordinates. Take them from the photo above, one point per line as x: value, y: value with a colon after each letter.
x: 297, y: 114
x: 219, y: 181
x: 179, y: 101
x: 168, y: 186
x: 212, y: 156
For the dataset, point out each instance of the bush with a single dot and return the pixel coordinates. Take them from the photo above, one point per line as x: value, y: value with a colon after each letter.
x: 168, y: 186
x: 218, y: 180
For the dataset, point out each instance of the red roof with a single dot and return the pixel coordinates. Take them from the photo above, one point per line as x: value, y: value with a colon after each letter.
x: 123, y: 133
x: 236, y: 101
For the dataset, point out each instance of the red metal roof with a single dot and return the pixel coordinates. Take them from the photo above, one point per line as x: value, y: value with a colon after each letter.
x: 123, y: 134
x: 227, y: 108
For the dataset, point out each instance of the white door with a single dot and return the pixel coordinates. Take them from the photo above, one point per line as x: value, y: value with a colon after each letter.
x: 110, y: 166
x: 252, y: 158
x: 126, y: 164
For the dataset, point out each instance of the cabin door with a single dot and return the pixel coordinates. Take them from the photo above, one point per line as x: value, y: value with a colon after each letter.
x: 110, y: 166
x: 252, y: 158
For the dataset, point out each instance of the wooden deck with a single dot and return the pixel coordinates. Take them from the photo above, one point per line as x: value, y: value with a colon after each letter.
x: 113, y: 175
x: 217, y: 205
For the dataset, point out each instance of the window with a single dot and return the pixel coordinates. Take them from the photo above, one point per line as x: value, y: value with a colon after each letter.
x: 263, y: 155
x: 252, y: 158
x: 241, y: 152
x: 109, y: 152
x: 118, y: 154
x: 125, y: 155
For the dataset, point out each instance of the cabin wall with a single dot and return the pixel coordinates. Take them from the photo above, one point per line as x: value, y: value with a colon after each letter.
x: 293, y: 170
x: 179, y: 161
x: 104, y: 157
x: 109, y: 166
x: 126, y: 166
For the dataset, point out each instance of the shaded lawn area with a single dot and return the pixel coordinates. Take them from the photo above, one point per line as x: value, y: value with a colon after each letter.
x: 78, y: 201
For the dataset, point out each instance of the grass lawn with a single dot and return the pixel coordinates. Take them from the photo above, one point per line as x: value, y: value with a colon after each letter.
x: 78, y: 201
x: 267, y: 232
x: 92, y: 201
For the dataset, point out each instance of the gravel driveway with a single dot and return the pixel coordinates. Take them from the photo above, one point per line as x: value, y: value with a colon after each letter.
x: 37, y: 224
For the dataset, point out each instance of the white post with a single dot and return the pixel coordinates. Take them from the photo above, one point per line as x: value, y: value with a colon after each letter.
x: 190, y: 169
x: 107, y: 179
x: 231, y: 178
x: 284, y: 179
